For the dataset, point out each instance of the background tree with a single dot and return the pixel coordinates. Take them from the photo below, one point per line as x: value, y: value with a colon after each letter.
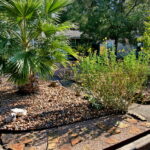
x: 114, y: 19
x: 146, y: 36
x: 32, y: 41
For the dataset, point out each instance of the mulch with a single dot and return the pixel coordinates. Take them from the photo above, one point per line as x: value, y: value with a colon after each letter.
x: 51, y: 107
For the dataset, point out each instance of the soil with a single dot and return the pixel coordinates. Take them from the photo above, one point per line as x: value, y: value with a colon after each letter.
x: 51, y: 107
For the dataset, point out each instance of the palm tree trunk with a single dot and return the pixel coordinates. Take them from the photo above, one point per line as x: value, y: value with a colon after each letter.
x: 31, y: 87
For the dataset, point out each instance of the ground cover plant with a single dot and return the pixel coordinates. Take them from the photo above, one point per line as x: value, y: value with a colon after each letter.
x: 112, y: 83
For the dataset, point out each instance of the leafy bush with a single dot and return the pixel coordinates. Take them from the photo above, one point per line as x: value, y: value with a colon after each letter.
x: 146, y: 37
x: 112, y: 83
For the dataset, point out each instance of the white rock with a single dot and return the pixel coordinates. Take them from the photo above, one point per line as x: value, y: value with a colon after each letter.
x: 18, y: 112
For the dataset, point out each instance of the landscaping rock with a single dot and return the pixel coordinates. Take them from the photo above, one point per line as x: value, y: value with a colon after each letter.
x: 66, y: 147
x: 137, y: 115
x: 51, y: 146
x: 145, y: 124
x: 139, y: 111
x: 111, y: 140
x: 131, y: 120
x: 18, y: 112
x: 76, y: 141
x: 17, y: 146
x: 114, y: 130
x: 55, y: 84
x: 52, y: 143
x: 74, y: 135
x: 123, y: 125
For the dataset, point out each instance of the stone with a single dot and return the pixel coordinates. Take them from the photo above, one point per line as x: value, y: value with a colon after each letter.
x: 111, y: 130
x: 74, y: 135
x: 78, y: 93
x: 123, y: 125
x: 75, y: 141
x: 52, y: 143
x: 131, y: 120
x: 139, y: 111
x: 54, y: 84
x: 51, y: 146
x: 17, y: 146
x: 111, y: 140
x: 66, y: 147
x: 114, y: 130
x: 145, y: 124
x: 17, y: 112
x: 117, y: 131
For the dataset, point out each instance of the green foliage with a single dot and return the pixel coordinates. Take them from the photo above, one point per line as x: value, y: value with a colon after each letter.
x: 114, y: 19
x: 33, y: 39
x: 146, y: 37
x: 112, y: 83
x: 83, y: 49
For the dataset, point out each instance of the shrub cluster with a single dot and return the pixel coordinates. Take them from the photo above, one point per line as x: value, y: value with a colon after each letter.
x: 112, y: 83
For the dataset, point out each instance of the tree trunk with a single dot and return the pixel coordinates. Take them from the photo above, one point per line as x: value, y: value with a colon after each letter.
x: 31, y: 87
x: 116, y: 46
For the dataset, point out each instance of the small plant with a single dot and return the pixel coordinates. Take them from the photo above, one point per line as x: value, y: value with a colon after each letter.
x: 112, y: 83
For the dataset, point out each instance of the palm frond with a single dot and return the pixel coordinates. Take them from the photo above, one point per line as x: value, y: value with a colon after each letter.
x: 20, y: 9
x: 52, y: 6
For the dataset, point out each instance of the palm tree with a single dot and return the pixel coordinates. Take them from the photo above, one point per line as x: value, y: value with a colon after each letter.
x: 33, y: 40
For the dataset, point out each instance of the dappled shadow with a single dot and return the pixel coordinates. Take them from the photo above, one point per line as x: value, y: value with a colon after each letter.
x: 43, y: 111
x: 29, y: 139
x: 86, y: 130
x: 9, y: 99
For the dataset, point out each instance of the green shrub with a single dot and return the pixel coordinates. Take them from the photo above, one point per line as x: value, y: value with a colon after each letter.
x: 146, y: 36
x: 112, y: 83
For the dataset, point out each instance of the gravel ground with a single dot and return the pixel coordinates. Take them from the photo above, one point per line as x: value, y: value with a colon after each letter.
x: 52, y: 106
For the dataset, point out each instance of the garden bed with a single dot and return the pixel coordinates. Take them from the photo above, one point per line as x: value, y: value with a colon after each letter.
x: 51, y: 107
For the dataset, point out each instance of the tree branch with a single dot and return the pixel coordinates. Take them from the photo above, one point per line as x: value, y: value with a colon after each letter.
x: 135, y: 4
